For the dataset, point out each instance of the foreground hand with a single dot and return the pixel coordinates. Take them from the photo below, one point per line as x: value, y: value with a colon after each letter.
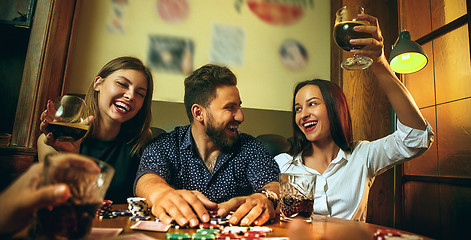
x: 183, y: 206
x: 374, y: 47
x: 24, y: 196
x: 255, y: 208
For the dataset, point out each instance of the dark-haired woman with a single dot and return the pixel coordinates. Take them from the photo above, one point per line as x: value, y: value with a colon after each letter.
x: 119, y: 99
x: 323, y: 143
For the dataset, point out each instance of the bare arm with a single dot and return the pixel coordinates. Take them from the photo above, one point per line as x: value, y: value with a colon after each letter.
x: 255, y: 208
x: 167, y: 203
x: 398, y: 95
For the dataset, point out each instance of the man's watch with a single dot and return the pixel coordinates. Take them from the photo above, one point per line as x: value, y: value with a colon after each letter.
x: 272, y: 196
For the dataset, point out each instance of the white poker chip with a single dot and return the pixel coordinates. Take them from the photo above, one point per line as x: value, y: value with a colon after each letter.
x: 261, y: 229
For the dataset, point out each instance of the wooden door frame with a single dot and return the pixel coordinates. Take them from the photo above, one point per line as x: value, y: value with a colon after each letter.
x: 45, y: 64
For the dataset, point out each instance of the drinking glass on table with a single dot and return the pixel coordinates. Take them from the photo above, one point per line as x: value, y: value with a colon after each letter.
x: 345, y: 20
x: 73, y: 219
x: 67, y: 125
x: 297, y: 196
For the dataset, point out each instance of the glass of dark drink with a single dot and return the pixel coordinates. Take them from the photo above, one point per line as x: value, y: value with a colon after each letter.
x: 67, y: 124
x: 345, y: 20
x: 73, y: 219
x: 297, y: 196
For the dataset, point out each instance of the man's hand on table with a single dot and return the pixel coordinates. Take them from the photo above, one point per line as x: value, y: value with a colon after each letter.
x: 255, y: 208
x: 183, y: 206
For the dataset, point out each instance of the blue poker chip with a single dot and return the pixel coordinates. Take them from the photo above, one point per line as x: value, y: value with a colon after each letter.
x: 140, y: 218
x: 106, y: 216
x: 122, y: 213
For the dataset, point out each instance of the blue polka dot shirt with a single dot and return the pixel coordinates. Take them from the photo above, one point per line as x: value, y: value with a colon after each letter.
x: 241, y: 171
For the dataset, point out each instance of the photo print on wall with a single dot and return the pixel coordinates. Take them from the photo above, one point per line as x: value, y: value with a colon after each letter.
x: 170, y: 54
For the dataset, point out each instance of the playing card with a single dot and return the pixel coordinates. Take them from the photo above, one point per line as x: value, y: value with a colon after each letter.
x: 150, y: 226
x: 135, y: 236
x: 104, y: 233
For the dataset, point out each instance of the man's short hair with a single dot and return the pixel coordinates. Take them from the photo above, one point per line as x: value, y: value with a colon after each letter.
x: 200, y: 86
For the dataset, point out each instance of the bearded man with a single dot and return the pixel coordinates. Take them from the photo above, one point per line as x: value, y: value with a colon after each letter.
x: 209, y: 165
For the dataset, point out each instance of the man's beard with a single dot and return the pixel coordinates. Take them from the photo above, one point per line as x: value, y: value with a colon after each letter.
x: 218, y: 135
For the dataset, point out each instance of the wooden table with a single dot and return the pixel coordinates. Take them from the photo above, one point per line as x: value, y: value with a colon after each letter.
x: 323, y: 227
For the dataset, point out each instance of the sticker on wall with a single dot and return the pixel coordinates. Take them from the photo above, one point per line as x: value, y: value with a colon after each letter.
x: 279, y: 12
x: 116, y: 16
x: 171, y: 54
x: 173, y: 11
x: 293, y: 55
x: 227, y: 45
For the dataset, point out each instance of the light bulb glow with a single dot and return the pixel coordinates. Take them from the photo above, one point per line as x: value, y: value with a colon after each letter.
x: 408, y: 62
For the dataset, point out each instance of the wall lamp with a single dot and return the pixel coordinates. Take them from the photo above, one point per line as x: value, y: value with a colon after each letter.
x: 407, y: 56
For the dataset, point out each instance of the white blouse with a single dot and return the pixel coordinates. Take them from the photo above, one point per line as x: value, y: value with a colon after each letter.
x: 342, y: 189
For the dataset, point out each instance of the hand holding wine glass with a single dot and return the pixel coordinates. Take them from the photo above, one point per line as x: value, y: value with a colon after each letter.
x: 63, y: 124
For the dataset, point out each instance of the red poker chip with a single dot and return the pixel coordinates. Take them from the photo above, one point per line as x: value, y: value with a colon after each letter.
x: 213, y: 213
x: 209, y: 226
x: 255, y: 234
x: 227, y: 236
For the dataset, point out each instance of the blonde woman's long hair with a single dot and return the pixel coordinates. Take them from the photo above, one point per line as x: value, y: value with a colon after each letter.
x: 135, y: 131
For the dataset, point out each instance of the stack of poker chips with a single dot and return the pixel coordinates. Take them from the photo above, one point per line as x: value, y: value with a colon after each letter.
x: 105, y: 210
x: 139, y: 209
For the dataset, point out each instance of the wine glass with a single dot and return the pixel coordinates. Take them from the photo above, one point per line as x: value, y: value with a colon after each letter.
x: 67, y: 124
x: 345, y: 20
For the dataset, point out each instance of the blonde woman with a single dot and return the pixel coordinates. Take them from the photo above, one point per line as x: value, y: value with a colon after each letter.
x: 119, y: 107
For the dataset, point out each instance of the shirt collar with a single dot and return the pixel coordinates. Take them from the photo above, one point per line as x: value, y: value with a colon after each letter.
x: 340, y: 155
x: 187, y: 139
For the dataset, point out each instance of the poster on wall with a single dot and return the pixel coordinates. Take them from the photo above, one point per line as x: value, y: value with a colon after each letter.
x: 227, y: 45
x: 116, y: 16
x: 281, y: 12
x: 170, y: 54
x: 293, y: 55
x: 173, y: 11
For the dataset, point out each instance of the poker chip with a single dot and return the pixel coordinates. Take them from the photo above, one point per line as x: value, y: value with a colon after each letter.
x: 208, y: 231
x: 209, y: 226
x: 227, y: 236
x: 106, y: 216
x: 122, y: 213
x: 219, y: 220
x: 203, y: 236
x: 178, y: 236
x: 260, y: 229
x: 387, y: 234
x: 140, y: 218
x: 176, y: 226
x: 236, y: 230
x: 213, y: 213
x: 255, y: 234
x: 138, y: 206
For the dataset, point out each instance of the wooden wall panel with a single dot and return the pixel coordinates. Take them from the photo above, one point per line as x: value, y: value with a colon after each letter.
x: 455, y: 209
x: 452, y: 65
x: 421, y: 209
x: 421, y: 84
x: 427, y: 164
x: 445, y: 11
x: 415, y: 17
x: 454, y: 137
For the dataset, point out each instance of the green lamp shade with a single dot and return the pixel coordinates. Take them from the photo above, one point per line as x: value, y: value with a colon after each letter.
x: 407, y: 56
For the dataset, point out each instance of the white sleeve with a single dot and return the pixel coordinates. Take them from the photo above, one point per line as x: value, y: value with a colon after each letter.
x: 404, y: 144
x: 283, y: 160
